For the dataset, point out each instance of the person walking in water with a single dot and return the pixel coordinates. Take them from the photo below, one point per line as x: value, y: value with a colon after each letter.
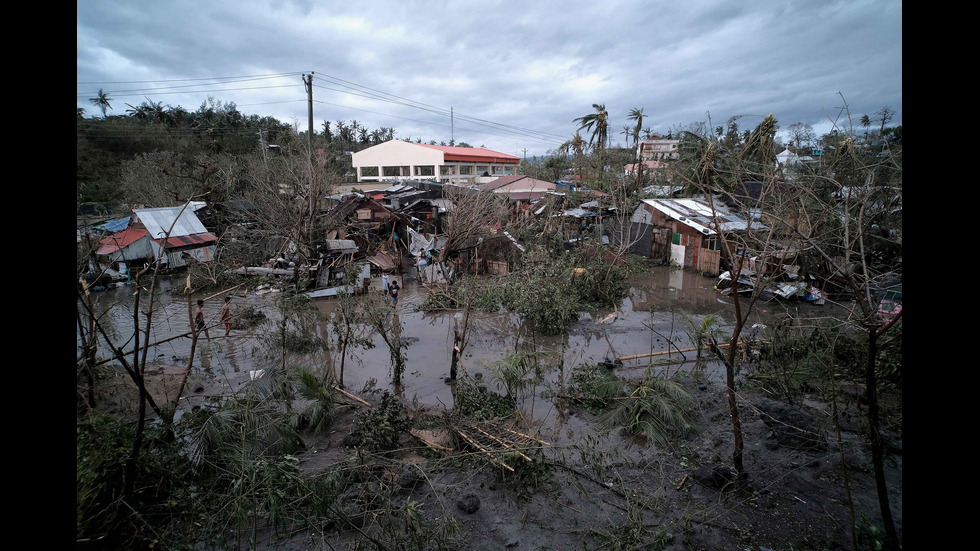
x: 393, y: 291
x: 226, y: 315
x: 199, y: 320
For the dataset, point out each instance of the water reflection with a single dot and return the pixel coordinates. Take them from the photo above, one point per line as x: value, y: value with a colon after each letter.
x: 653, y: 317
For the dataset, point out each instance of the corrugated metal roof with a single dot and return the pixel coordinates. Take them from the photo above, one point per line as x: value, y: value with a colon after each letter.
x: 120, y: 240
x: 175, y: 242
x: 698, y: 215
x: 158, y: 221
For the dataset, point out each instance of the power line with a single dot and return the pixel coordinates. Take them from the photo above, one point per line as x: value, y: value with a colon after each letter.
x: 336, y: 85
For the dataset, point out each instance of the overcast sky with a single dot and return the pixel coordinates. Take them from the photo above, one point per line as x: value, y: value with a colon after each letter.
x: 513, y: 74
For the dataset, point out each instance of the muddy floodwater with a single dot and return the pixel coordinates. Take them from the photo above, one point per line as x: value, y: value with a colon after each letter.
x: 652, y: 318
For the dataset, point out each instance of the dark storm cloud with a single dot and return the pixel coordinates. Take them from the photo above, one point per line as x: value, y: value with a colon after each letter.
x: 528, y: 65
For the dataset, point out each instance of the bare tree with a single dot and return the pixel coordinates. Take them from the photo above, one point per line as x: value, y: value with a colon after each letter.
x: 801, y: 134
x: 859, y: 199
x: 288, y: 200
x: 884, y: 116
x: 164, y: 178
x: 845, y: 214
x: 715, y: 175
x: 475, y: 214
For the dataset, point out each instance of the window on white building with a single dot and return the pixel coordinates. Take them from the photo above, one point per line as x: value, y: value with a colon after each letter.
x: 368, y: 171
x: 425, y: 170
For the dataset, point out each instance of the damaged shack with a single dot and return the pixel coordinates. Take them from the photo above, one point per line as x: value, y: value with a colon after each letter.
x: 682, y: 231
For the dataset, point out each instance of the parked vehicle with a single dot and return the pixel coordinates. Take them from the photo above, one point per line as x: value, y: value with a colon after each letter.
x: 890, y: 304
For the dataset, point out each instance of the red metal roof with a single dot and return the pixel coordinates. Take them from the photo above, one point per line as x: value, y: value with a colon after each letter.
x: 120, y: 240
x: 185, y: 240
x: 474, y: 154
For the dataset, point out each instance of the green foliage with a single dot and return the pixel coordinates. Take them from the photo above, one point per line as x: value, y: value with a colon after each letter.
x: 247, y: 317
x: 700, y: 333
x: 541, y: 290
x: 298, y: 328
x: 242, y: 429
x: 889, y: 363
x: 103, y: 519
x: 650, y: 410
x: 320, y: 389
x: 382, y: 425
x: 796, y: 356
x: 595, y: 386
x: 655, y: 411
x: 528, y: 477
x: 633, y: 533
x: 517, y: 372
x: 476, y: 402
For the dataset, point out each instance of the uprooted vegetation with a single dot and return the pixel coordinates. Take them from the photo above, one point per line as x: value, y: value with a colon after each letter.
x: 547, y: 291
x: 298, y: 461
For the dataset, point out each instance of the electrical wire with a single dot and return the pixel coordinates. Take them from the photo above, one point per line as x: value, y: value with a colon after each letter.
x: 330, y: 83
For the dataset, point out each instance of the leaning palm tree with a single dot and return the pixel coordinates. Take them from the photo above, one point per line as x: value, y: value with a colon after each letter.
x: 866, y: 123
x: 102, y: 101
x: 598, y: 123
x: 636, y: 114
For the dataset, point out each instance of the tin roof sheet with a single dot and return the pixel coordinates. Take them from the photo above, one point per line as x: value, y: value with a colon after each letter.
x: 178, y: 241
x: 699, y: 215
x: 159, y: 221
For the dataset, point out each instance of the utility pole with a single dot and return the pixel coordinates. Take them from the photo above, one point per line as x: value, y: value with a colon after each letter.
x: 261, y: 134
x: 452, y: 128
x: 308, y: 81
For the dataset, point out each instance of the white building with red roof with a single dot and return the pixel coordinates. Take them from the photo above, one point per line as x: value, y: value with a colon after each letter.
x: 397, y: 161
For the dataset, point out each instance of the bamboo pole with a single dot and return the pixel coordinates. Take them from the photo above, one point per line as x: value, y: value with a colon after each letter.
x: 649, y: 354
x: 504, y: 444
x: 481, y: 448
x: 661, y: 353
x: 525, y: 436
x: 351, y: 396
x: 431, y: 445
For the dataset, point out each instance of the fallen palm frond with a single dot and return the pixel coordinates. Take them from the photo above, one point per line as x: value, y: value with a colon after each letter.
x: 655, y: 411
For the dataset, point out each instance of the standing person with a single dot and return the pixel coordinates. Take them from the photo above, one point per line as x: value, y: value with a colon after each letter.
x: 385, y: 284
x: 199, y: 319
x: 421, y: 264
x: 226, y: 315
x: 394, y: 293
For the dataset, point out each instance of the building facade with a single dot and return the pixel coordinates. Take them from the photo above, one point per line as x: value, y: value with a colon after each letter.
x: 397, y: 161
x: 658, y: 150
